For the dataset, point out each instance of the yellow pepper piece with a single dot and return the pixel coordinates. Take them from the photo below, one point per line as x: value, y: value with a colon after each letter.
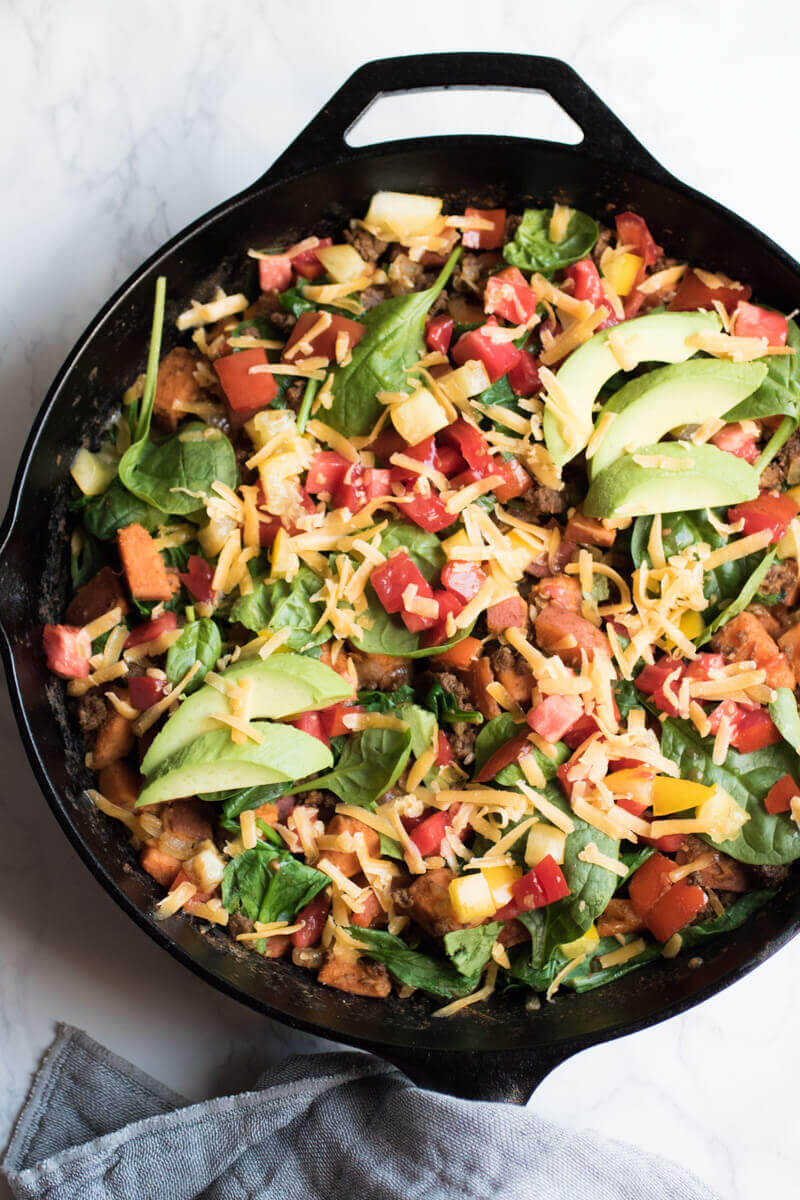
x: 621, y: 272
x: 635, y: 782
x: 418, y: 417
x: 691, y: 626
x: 500, y: 880
x: 544, y: 839
x: 581, y: 945
x: 471, y: 898
x: 721, y: 815
x: 457, y: 541
x: 676, y: 795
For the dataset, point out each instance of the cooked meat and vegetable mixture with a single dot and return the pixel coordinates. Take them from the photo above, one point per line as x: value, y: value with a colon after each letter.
x: 436, y: 604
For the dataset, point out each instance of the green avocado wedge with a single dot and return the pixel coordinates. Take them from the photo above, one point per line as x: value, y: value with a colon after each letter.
x: 214, y: 763
x: 283, y: 685
x: 684, y: 393
x: 658, y: 337
x: 632, y: 486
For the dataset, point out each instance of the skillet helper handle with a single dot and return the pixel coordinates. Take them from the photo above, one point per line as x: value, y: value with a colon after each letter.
x: 508, y: 1076
x: 604, y: 135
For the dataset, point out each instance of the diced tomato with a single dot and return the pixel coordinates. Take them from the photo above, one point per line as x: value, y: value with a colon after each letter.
x: 448, y: 602
x: 631, y: 805
x: 508, y: 753
x: 311, y: 723
x: 275, y: 272
x: 331, y: 718
x: 779, y: 797
x: 312, y: 918
x: 471, y: 445
x: 651, y: 680
x: 692, y: 293
x: 427, y: 511
x: 735, y: 439
x: 705, y: 666
x: 524, y: 376
x: 577, y: 734
x: 632, y: 231
x: 464, y: 578
x: 506, y: 614
x: 509, y: 296
x: 485, y: 239
x: 197, y: 578
x: 553, y: 716
x: 307, y: 264
x: 562, y: 773
x: 752, y: 321
x: 448, y: 460
x: 326, y: 473
x: 360, y: 485
x: 324, y: 342
x: 67, y: 649
x: 439, y: 333
x: 497, y: 356
x: 392, y: 577
x: 770, y: 510
x: 245, y: 394
x: 649, y: 882
x: 550, y: 878
x: 517, y: 479
x: 754, y: 729
x: 145, y: 691
x: 444, y: 755
x: 669, y: 843
x: 589, y: 286
x: 148, y: 631
x: 676, y: 908
x: 423, y: 452
x: 427, y: 836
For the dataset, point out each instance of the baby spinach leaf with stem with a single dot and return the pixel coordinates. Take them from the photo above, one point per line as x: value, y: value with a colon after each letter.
x: 200, y: 642
x: 370, y: 763
x: 532, y: 250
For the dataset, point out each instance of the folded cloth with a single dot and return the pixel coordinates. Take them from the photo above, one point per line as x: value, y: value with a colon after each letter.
x: 316, y: 1127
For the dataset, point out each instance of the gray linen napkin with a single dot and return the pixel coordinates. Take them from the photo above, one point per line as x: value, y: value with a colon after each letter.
x: 317, y: 1127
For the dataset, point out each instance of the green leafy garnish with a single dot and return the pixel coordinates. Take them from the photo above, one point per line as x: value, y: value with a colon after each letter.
x: 268, y: 884
x: 783, y: 710
x: 284, y: 605
x: 200, y: 642
x: 444, y: 706
x: 532, y: 250
x: 469, y: 949
x: 437, y: 976
x: 741, y: 602
x: 369, y: 764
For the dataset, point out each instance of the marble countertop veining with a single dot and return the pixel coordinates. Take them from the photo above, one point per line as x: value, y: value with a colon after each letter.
x: 123, y: 123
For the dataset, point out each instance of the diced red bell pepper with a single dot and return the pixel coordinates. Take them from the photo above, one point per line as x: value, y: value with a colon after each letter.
x: 326, y: 473
x: 306, y: 262
x: 692, y: 293
x: 705, y: 666
x: 632, y: 230
x: 550, y: 878
x: 427, y: 511
x: 649, y: 882
x: 577, y: 734
x: 439, y: 333
x: 735, y: 439
x: 524, y: 376
x: 676, y: 908
x: 508, y: 753
x: 770, y: 510
x: 779, y: 797
x: 497, y: 356
x: 471, y: 445
x: 669, y: 843
x: 275, y: 272
x: 323, y: 343
x: 485, y: 239
x: 145, y: 691
x: 444, y: 755
x: 754, y: 729
x: 752, y: 321
x: 464, y: 578
x: 67, y: 649
x: 631, y: 805
x: 448, y: 460
x: 517, y: 479
x: 589, y: 286
x: 554, y: 715
x: 197, y: 578
x: 651, y: 680
x: 148, y: 631
x: 360, y: 485
x: 427, y: 836
x: 312, y: 919
x: 331, y: 718
x: 392, y: 577
x: 423, y: 452
x: 510, y: 296
x: 311, y: 723
x: 245, y: 394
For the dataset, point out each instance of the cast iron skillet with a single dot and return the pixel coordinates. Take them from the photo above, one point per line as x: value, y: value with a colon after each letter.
x: 502, y: 1052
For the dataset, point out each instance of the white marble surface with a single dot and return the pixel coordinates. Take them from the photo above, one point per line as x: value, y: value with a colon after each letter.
x: 121, y: 124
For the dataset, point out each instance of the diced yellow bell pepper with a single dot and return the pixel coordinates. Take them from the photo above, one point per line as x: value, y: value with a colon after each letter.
x: 677, y: 795
x: 342, y: 263
x: 691, y: 626
x: 721, y: 815
x: 621, y: 272
x: 635, y: 782
x: 418, y: 417
x: 544, y: 839
x: 469, y: 380
x: 471, y: 898
x: 400, y: 215
x: 581, y: 945
x: 500, y: 880
x: 456, y: 541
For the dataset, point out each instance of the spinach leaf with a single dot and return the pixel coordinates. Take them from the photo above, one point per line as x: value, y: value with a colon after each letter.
x: 268, y: 884
x: 115, y: 509
x: 444, y: 706
x: 783, y: 710
x: 369, y: 764
x: 626, y: 696
x: 386, y: 701
x: 682, y: 530
x: 422, y: 727
x: 164, y: 473
x: 392, y: 343
x: 84, y: 565
x: 469, y: 949
x: 741, y: 602
x: 502, y: 729
x: 388, y: 635
x: 390, y: 848
x: 424, y: 549
x: 199, y: 642
x: 434, y: 975
x: 591, y: 887
x: 245, y: 799
x: 537, y: 923
x: 764, y: 840
x: 293, y: 301
x: 780, y: 391
x: 283, y: 605
x: 532, y: 250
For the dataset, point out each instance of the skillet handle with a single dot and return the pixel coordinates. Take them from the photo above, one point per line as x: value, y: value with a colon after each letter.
x: 604, y: 136
x: 508, y: 1076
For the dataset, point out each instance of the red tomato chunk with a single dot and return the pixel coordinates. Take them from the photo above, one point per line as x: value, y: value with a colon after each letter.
x: 245, y: 394
x: 67, y: 649
x: 770, y: 510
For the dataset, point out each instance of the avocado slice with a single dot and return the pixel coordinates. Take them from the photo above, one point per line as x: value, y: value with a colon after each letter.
x: 631, y: 488
x: 690, y: 392
x: 283, y: 685
x: 212, y: 762
x: 658, y: 337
